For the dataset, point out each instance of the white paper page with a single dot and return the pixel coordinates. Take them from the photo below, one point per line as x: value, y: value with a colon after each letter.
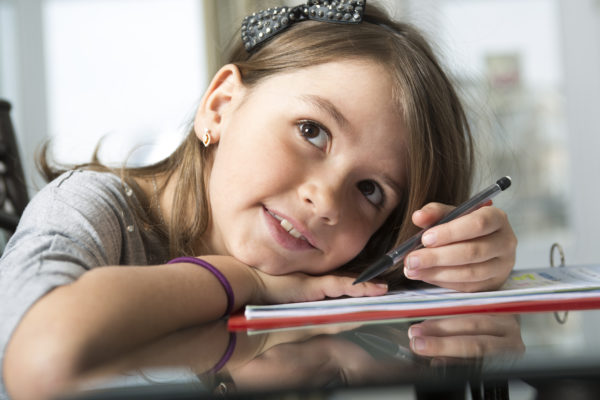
x: 317, y: 311
x: 552, y: 283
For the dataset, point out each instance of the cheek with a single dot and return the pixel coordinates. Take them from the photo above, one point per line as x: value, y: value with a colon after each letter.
x: 232, y: 178
x: 356, y: 232
x: 352, y: 243
x: 346, y: 245
x: 255, y: 160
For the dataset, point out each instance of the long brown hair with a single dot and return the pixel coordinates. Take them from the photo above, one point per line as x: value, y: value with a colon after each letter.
x: 439, y: 160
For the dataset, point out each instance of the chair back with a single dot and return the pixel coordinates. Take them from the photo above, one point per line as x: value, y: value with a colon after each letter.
x: 13, y: 188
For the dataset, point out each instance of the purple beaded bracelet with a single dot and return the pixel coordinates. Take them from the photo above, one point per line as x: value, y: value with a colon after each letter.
x: 216, y: 273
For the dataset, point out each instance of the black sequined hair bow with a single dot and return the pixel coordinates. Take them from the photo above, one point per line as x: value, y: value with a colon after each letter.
x: 264, y: 24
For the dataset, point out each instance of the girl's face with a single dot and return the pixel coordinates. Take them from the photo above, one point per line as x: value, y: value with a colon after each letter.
x: 308, y: 166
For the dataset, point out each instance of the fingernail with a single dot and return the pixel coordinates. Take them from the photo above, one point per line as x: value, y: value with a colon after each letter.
x: 410, y: 273
x: 418, y: 343
x: 429, y: 238
x: 412, y: 262
x: 414, y: 331
x: 382, y: 285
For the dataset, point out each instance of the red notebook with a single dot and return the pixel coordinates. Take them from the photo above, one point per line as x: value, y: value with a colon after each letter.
x: 239, y: 322
x: 534, y: 290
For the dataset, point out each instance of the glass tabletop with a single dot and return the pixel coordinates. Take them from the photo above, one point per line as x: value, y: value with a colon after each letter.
x: 482, y: 351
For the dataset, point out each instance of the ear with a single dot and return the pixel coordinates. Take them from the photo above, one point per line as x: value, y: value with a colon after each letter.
x: 223, y: 91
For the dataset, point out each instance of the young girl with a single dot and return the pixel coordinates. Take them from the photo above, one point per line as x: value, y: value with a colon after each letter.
x: 317, y: 148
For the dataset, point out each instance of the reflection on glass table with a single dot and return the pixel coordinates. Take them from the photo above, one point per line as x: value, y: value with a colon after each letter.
x: 437, y: 355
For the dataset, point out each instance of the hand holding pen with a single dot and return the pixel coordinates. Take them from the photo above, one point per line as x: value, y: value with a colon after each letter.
x: 467, y: 248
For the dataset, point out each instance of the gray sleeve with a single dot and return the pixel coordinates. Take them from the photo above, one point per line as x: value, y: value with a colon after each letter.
x: 77, y: 222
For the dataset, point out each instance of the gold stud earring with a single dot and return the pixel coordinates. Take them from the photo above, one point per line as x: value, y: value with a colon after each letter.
x: 206, y: 138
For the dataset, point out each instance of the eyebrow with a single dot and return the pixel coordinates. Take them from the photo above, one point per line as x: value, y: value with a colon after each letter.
x: 326, y: 105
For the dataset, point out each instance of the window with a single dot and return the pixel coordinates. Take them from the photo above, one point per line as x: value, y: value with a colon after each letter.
x: 506, y: 58
x: 130, y: 71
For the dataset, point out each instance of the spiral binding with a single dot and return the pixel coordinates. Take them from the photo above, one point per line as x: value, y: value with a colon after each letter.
x: 561, y: 318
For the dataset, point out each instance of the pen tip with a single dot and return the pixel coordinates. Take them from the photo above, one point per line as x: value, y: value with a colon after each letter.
x: 375, y: 269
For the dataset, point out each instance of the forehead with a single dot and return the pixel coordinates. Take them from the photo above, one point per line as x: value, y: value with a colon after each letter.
x: 346, y: 82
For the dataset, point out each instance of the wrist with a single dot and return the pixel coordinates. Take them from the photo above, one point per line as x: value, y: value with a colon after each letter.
x: 216, y: 273
x: 243, y: 279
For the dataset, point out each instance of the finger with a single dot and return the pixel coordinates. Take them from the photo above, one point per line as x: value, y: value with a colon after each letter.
x: 463, y: 346
x: 463, y: 278
x: 445, y: 276
x: 471, y: 287
x: 430, y: 213
x: 476, y: 272
x: 479, y: 223
x: 299, y: 287
x: 463, y: 253
x: 494, y: 325
x: 337, y: 286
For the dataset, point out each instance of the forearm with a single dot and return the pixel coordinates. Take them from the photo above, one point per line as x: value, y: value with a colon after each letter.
x: 152, y: 301
x: 110, y: 310
x: 199, y: 348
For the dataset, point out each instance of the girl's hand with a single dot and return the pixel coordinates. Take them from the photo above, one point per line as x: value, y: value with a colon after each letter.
x: 298, y: 287
x: 472, y: 253
x: 472, y: 336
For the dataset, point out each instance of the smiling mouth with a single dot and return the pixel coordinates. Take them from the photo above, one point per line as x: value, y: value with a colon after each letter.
x: 287, y: 226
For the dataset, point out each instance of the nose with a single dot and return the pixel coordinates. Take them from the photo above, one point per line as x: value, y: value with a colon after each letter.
x: 324, y: 199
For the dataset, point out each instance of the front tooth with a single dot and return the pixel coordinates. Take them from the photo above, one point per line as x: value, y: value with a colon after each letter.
x: 294, y: 233
x: 285, y: 224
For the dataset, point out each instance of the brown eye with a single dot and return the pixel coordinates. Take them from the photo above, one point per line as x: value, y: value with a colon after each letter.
x: 372, y: 191
x: 314, y: 134
x: 309, y: 131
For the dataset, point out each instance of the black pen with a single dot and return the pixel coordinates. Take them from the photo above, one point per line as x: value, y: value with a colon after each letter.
x: 396, y: 255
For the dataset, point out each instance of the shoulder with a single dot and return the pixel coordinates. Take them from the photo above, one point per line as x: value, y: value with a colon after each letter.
x: 87, y: 192
x: 98, y: 197
x: 87, y: 182
x: 82, y: 214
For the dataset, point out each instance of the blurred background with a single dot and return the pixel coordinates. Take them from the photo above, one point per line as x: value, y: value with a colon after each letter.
x: 132, y: 72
